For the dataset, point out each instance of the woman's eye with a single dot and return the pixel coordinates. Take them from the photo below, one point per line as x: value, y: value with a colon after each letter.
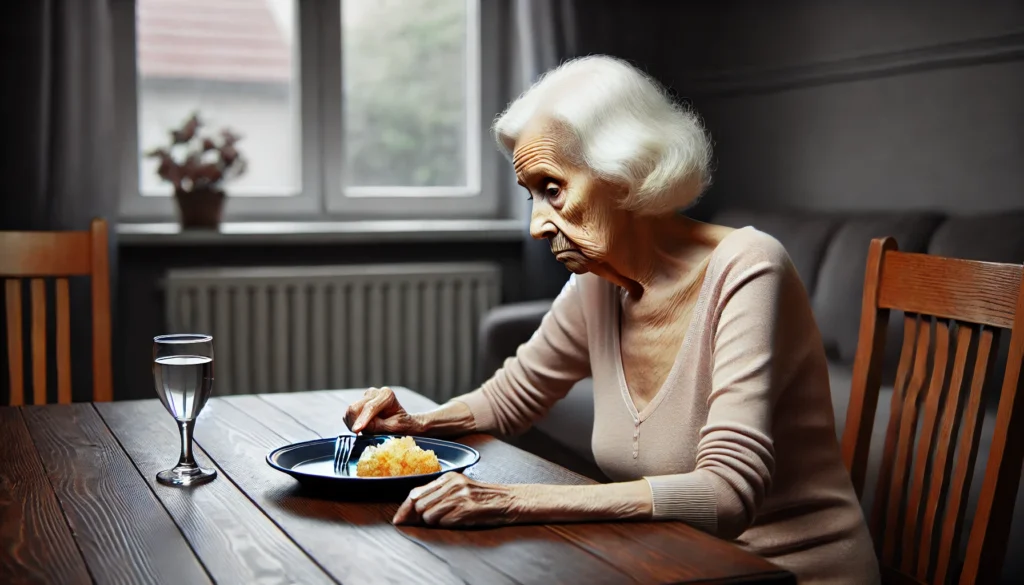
x: 552, y: 191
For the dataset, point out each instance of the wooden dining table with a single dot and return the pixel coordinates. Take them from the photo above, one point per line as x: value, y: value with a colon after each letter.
x: 79, y: 503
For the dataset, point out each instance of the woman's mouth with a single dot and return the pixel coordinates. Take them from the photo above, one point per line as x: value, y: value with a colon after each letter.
x: 573, y: 260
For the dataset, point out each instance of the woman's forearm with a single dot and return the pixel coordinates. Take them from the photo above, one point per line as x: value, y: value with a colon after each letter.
x: 451, y: 419
x: 563, y: 503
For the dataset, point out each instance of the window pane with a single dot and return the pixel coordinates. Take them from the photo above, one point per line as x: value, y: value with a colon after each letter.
x: 235, y: 63
x: 406, y: 76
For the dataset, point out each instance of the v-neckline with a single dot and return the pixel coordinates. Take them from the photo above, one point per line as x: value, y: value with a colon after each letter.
x: 666, y: 386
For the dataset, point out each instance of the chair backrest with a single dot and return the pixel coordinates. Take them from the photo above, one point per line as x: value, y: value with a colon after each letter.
x: 39, y: 255
x: 954, y: 312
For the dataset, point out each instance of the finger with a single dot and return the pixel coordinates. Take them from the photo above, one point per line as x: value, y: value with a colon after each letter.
x: 369, y: 411
x: 445, y: 490
x: 352, y: 412
x: 423, y: 490
x: 459, y: 516
x: 449, y: 506
x: 406, y: 513
x: 354, y: 409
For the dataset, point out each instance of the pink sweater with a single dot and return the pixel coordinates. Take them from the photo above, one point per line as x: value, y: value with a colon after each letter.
x: 740, y: 441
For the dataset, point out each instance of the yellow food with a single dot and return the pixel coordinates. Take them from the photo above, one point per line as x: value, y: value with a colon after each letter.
x: 396, y: 456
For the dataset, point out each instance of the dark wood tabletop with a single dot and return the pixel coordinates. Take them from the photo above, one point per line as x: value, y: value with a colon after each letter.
x: 79, y: 503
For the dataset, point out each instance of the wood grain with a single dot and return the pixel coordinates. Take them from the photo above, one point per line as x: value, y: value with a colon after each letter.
x: 63, y: 342
x: 671, y: 553
x: 45, y: 253
x: 526, y: 553
x: 650, y: 552
x: 964, y: 290
x: 983, y: 298
x: 355, y: 544
x: 57, y: 254
x: 990, y: 532
x: 234, y: 540
x: 15, y: 359
x: 125, y: 535
x: 38, y: 341
x: 867, y: 368
x: 290, y: 427
x: 905, y: 432
x: 37, y: 543
x: 951, y: 416
x: 102, y: 380
x: 922, y: 459
x: 863, y: 444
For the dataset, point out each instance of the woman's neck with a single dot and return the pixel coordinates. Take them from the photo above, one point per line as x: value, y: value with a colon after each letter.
x: 661, y: 257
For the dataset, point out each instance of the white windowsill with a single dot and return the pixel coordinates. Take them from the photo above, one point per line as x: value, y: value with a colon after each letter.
x: 325, y: 232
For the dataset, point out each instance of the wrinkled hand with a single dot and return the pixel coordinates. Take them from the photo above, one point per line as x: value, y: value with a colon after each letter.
x: 455, y: 500
x: 378, y: 411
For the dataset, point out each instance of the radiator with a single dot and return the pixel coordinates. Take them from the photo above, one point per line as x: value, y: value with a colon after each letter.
x: 292, y: 329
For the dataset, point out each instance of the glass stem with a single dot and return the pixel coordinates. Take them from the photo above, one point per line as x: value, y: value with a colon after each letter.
x: 186, y: 459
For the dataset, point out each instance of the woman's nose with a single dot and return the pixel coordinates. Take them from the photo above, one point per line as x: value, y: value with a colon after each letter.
x: 541, y: 226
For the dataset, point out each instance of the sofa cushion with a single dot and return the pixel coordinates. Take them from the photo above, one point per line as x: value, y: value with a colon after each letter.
x: 837, y: 297
x: 991, y: 238
x: 803, y: 234
x: 502, y: 330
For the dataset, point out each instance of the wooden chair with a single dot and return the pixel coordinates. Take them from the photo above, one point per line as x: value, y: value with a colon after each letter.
x: 37, y: 255
x: 921, y: 495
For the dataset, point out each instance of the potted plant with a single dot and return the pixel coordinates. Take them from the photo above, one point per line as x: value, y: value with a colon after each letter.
x: 198, y: 166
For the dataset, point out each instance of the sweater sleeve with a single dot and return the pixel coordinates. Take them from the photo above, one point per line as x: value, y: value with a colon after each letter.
x: 735, y: 455
x: 541, y: 373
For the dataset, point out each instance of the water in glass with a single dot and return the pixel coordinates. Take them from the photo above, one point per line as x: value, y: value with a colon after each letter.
x: 184, y: 383
x: 183, y: 375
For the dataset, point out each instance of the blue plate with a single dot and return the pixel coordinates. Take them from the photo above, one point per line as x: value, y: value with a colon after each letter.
x: 312, y: 463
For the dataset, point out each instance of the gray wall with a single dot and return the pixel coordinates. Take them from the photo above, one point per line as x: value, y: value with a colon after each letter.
x: 842, y: 105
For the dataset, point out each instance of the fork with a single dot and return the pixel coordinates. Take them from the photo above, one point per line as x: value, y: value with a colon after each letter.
x: 342, y: 453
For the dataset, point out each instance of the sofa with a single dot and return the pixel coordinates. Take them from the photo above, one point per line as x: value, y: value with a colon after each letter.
x: 829, y: 251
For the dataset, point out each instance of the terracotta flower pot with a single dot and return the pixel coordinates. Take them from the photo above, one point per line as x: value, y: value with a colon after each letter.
x: 201, y: 209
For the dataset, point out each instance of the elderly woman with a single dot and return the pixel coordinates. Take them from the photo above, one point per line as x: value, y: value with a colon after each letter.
x: 711, y: 393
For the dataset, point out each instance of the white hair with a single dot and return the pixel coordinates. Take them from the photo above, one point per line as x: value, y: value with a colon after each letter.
x: 625, y: 127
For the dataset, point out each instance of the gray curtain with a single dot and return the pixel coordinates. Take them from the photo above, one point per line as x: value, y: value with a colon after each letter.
x: 545, y: 36
x: 58, y: 163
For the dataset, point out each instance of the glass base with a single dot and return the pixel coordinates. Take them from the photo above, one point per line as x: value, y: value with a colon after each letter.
x: 184, y: 476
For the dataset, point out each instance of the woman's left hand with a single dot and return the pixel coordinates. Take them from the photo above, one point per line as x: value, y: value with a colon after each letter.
x: 456, y: 500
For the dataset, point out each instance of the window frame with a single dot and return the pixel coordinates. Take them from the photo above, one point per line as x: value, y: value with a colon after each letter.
x: 323, y: 195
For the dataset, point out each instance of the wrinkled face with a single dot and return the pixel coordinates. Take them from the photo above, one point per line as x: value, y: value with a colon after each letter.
x: 575, y: 210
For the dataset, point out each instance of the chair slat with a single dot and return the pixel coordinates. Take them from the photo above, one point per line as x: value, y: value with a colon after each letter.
x: 990, y: 532
x: 63, y: 342
x: 905, y: 443
x: 12, y: 296
x: 102, y: 377
x: 38, y: 341
x: 967, y: 449
x: 922, y: 459
x: 903, y: 370
x: 943, y: 462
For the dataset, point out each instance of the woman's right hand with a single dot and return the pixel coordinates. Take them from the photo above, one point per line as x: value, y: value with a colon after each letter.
x: 378, y: 411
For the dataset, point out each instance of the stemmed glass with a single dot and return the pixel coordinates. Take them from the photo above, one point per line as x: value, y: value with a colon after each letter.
x: 183, y: 372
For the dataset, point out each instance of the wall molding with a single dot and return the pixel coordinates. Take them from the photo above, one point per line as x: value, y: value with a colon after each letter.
x: 1008, y: 47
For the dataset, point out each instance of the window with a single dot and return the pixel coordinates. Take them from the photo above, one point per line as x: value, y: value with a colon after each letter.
x: 347, y: 108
